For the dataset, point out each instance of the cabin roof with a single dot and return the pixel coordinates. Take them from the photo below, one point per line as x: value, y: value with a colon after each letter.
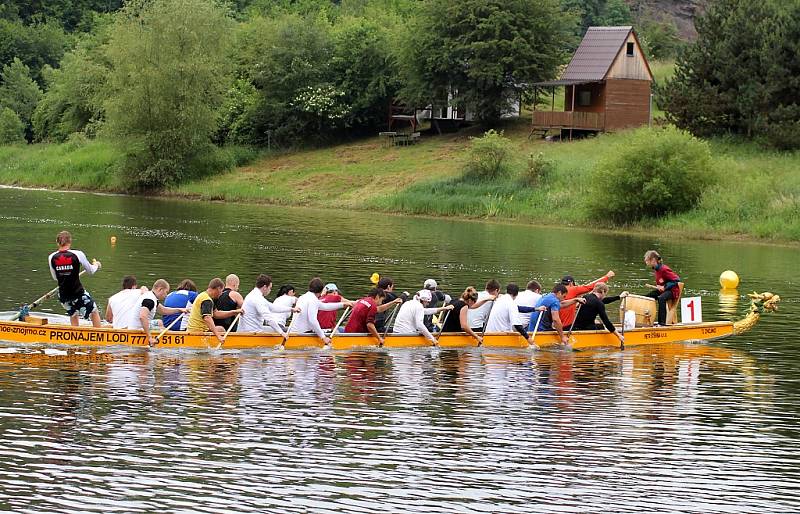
x: 596, y: 53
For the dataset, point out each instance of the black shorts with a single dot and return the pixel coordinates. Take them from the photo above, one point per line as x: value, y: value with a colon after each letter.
x: 83, y: 306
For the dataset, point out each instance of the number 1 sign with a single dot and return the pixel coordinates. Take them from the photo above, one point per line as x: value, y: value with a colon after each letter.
x: 691, y: 310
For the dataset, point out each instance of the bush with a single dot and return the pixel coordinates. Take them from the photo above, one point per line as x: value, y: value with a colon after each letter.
x: 539, y: 168
x: 12, y: 130
x: 488, y: 156
x: 649, y: 173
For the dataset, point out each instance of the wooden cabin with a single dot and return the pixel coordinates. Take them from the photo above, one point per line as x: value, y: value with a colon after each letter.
x: 606, y: 86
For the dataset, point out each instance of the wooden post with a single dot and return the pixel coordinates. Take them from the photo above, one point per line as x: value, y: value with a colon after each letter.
x: 572, y: 116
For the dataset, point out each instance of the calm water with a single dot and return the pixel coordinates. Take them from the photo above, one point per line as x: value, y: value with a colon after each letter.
x: 680, y: 428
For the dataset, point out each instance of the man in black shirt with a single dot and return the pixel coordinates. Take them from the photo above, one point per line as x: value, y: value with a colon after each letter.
x: 596, y: 306
x: 65, y: 267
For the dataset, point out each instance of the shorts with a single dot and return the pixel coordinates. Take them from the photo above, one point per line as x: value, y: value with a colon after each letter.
x: 83, y: 306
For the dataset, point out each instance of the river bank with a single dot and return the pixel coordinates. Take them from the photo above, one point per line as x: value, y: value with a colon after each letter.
x: 758, y: 197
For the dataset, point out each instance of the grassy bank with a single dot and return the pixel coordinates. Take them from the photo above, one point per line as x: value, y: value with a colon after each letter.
x: 758, y: 195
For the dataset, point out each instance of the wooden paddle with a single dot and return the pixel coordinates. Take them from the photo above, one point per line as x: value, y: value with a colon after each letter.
x: 578, y: 310
x: 336, y: 327
x: 485, y: 323
x: 166, y: 329
x: 225, y: 336
x: 389, y: 321
x: 531, y: 344
x: 444, y: 320
x: 37, y: 302
x: 288, y: 331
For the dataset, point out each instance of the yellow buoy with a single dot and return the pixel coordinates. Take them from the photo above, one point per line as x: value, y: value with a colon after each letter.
x: 113, y: 240
x: 374, y: 278
x: 729, y: 280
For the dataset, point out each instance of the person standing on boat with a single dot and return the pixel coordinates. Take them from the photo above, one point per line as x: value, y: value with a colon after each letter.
x: 550, y: 319
x: 595, y: 306
x: 567, y: 313
x: 149, y: 305
x: 229, y: 303
x: 309, y: 304
x: 286, y: 298
x: 387, y: 284
x: 458, y: 321
x: 410, y: 319
x: 201, y: 317
x: 258, y: 310
x: 183, y: 297
x: 65, y: 266
x: 123, y: 305
x: 505, y: 314
x: 479, y: 316
x: 666, y: 284
x: 362, y: 319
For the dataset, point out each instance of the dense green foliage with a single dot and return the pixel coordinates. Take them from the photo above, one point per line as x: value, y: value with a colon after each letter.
x: 483, y: 54
x: 168, y: 76
x: 12, y: 130
x: 489, y: 156
x: 650, y: 173
x: 18, y: 91
x: 742, y: 75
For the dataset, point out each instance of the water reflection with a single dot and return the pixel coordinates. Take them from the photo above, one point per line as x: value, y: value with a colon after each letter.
x: 729, y: 302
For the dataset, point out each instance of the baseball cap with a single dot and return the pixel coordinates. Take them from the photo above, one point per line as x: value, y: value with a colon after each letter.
x: 424, y: 295
x: 332, y: 287
x: 430, y: 284
x: 567, y: 280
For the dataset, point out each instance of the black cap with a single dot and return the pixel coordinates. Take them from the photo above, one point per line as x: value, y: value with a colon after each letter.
x: 567, y: 280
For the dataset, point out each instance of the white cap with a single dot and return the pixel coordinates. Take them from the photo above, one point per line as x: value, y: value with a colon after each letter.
x: 430, y: 284
x: 424, y: 295
x: 332, y: 287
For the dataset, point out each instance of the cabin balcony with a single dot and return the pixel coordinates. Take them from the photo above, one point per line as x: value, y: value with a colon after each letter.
x: 543, y: 120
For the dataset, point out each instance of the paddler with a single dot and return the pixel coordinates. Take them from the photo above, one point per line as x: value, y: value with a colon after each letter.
x: 65, y: 267
x: 595, y: 306
x: 362, y: 319
x: 258, y: 310
x: 124, y: 304
x: 410, y: 319
x: 309, y: 304
x: 550, y: 319
x: 666, y: 284
x: 567, y: 313
x: 201, y: 317
x: 457, y: 321
x: 229, y: 304
x: 149, y: 304
x: 505, y: 314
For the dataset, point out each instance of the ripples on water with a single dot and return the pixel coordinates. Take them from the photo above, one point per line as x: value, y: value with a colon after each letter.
x: 402, y: 431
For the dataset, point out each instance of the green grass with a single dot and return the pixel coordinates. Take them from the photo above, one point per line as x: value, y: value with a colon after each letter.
x: 78, y: 165
x: 757, y: 197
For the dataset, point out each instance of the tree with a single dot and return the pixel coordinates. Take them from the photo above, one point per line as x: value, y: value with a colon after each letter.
x: 740, y: 74
x: 35, y: 45
x: 12, y: 130
x: 169, y: 74
x: 18, y: 91
x: 482, y: 53
x: 594, y: 13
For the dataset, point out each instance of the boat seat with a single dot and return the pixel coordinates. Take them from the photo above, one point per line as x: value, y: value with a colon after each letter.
x: 672, y: 306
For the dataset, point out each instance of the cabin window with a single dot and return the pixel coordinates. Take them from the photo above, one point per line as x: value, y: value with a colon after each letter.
x: 584, y: 98
x: 630, y: 49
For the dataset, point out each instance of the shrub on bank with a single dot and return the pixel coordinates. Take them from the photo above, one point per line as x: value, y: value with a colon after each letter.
x: 12, y: 130
x: 489, y: 156
x: 650, y: 173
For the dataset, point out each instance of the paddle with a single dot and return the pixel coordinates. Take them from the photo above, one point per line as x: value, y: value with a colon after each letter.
x: 485, y: 323
x: 288, y: 331
x: 622, y: 332
x: 166, y: 329
x: 531, y: 344
x: 225, y: 336
x: 27, y: 307
x: 336, y: 327
x: 577, y: 311
x: 439, y: 334
x: 389, y: 321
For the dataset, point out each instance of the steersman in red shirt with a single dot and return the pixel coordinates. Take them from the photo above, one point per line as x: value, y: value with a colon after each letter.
x: 666, y: 284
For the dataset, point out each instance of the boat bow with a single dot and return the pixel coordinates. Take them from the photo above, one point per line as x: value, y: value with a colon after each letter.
x: 759, y: 304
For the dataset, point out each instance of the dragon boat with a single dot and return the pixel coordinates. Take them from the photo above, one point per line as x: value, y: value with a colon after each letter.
x: 31, y: 330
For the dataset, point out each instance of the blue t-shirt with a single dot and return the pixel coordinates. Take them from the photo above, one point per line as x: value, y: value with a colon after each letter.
x: 553, y: 304
x: 179, y: 299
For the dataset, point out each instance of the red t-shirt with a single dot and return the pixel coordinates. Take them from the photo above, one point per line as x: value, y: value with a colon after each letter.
x: 364, y: 312
x: 567, y: 314
x: 327, y: 319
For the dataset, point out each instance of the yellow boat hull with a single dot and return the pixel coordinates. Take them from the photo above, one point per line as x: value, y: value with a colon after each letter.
x: 20, y: 332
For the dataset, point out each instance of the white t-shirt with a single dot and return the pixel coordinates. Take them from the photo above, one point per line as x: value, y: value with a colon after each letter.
x: 284, y: 301
x: 410, y: 319
x: 134, y: 323
x: 306, y: 320
x: 527, y: 298
x: 257, y: 310
x: 477, y: 317
x: 503, y: 315
x: 125, y: 307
